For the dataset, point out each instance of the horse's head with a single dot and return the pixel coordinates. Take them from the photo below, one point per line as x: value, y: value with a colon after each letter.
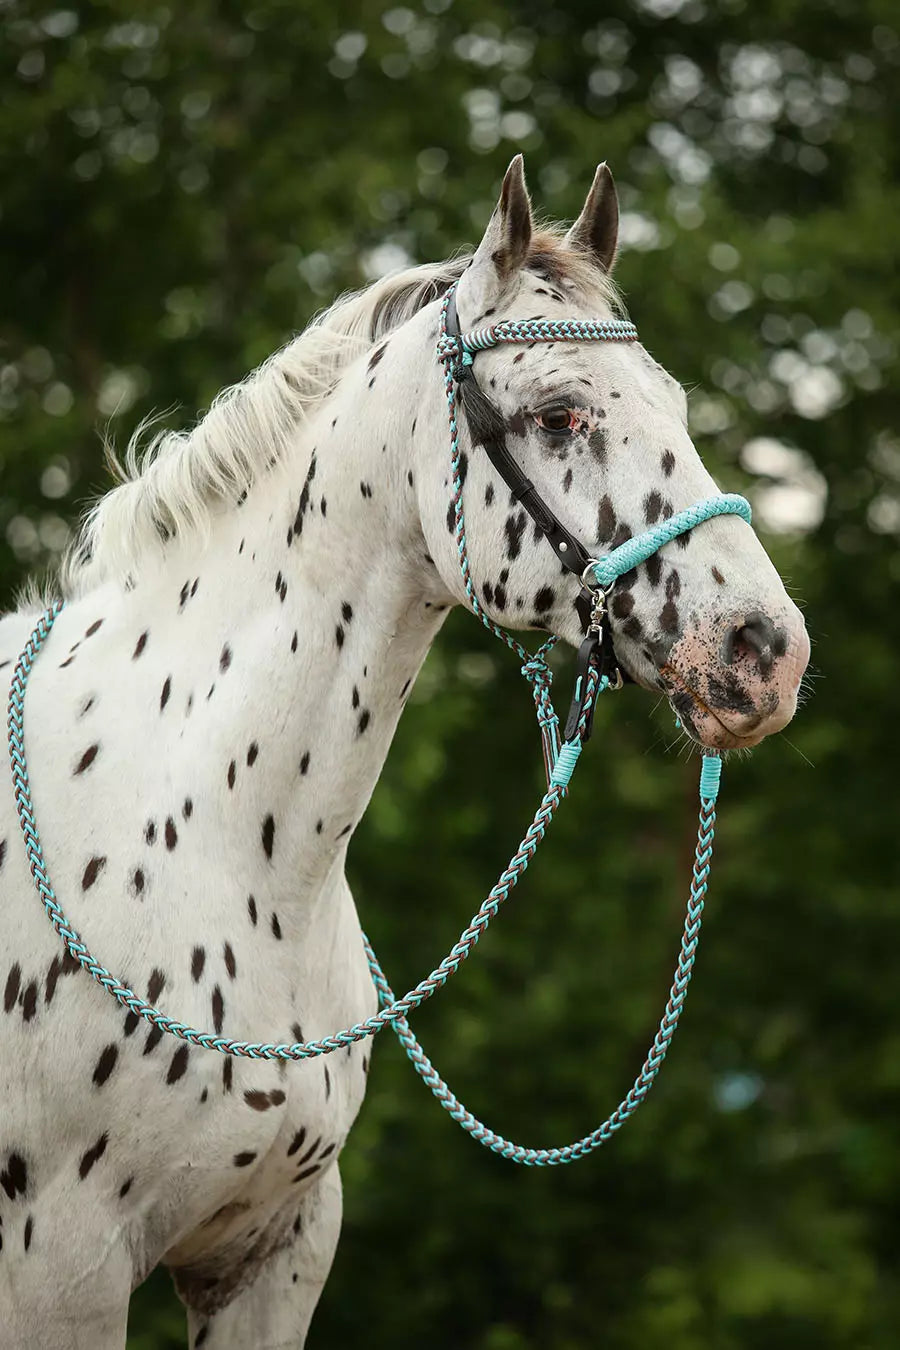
x: 601, y: 430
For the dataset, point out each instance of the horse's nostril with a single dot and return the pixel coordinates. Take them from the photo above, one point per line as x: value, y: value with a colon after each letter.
x: 755, y: 641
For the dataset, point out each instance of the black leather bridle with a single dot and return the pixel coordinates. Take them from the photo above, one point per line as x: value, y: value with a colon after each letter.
x: 487, y: 429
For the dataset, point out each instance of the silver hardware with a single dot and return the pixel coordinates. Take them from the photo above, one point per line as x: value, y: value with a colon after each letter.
x: 598, y: 610
x: 588, y: 579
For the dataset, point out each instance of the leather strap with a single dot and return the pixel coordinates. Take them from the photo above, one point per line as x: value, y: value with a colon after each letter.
x: 485, y: 423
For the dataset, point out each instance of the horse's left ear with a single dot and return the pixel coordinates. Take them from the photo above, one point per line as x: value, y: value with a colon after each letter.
x: 504, y: 246
x: 596, y: 231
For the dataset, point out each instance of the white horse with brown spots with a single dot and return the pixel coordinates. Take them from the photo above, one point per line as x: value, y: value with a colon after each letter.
x: 245, y: 616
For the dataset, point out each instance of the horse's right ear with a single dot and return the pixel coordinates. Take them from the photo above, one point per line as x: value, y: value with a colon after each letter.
x: 504, y: 247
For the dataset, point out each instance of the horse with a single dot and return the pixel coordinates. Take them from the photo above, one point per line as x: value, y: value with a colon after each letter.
x: 245, y: 614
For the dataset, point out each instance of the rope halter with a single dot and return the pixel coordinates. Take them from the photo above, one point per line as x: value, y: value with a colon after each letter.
x: 456, y: 350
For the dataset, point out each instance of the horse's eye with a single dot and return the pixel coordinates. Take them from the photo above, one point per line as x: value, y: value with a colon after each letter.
x: 558, y: 419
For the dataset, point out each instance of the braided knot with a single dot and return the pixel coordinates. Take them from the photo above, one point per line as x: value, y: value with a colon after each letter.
x: 537, y: 672
x: 449, y: 348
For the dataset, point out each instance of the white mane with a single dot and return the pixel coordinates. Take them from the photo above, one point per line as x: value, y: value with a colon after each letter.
x: 168, y: 483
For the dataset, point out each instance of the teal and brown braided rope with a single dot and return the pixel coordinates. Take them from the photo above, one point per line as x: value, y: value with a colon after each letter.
x: 393, y: 1010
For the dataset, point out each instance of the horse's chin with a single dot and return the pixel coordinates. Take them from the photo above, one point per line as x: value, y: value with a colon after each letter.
x: 719, y: 730
x: 706, y: 730
x: 700, y: 723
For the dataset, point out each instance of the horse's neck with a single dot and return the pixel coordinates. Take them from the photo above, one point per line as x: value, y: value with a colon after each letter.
x: 315, y: 606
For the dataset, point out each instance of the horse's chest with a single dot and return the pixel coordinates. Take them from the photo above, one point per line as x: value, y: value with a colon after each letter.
x: 244, y: 1135
x: 269, y: 1134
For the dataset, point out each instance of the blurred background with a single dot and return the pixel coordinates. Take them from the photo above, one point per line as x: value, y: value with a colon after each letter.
x: 181, y: 188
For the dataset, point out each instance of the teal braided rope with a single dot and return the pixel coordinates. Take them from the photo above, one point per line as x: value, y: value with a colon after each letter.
x: 556, y: 1157
x: 634, y: 551
x: 538, y: 330
x: 127, y: 997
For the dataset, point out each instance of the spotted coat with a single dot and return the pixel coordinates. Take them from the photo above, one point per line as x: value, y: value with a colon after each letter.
x: 204, y: 731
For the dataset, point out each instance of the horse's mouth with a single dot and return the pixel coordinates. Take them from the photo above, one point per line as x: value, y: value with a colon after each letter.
x: 702, y: 723
x: 696, y: 718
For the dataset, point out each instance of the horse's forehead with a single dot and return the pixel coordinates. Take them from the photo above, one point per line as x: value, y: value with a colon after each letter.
x: 630, y: 363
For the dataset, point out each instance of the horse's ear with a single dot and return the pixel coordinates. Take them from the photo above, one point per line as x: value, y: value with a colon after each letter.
x: 504, y: 247
x: 596, y: 231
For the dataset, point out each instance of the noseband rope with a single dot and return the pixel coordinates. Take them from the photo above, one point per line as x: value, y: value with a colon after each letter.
x: 596, y: 671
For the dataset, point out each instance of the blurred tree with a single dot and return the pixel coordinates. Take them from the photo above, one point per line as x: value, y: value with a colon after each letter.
x: 182, y: 189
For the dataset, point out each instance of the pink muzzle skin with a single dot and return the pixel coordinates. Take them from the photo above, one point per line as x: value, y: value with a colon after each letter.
x: 735, y: 681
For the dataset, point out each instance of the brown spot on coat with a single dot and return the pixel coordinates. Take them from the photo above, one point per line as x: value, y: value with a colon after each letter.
x: 53, y: 972
x: 92, y: 1156
x: 268, y: 836
x: 14, y: 1177
x: 652, y: 507
x: 261, y: 1101
x: 606, y: 520
x: 178, y: 1065
x: 297, y: 1142
x: 622, y: 604
x: 154, y: 1036
x: 105, y: 1064
x: 91, y: 872
x: 668, y: 618
x: 87, y: 759
x: 11, y: 992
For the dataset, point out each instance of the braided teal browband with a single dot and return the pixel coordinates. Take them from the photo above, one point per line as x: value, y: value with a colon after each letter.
x: 560, y: 759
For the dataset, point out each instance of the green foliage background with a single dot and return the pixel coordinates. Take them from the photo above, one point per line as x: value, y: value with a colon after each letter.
x: 181, y: 188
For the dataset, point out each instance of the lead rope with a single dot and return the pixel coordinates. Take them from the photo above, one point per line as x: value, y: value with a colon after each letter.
x: 555, y: 1157
x: 560, y: 759
x: 393, y: 1010
x: 558, y: 768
